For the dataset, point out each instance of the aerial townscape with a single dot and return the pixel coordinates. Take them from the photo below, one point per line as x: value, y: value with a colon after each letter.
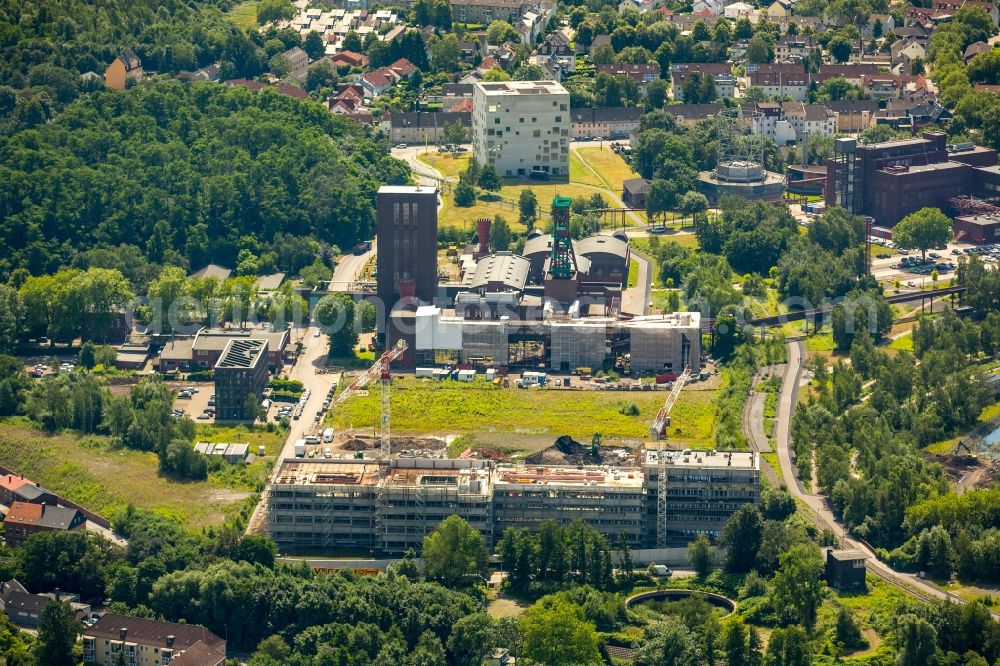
x: 500, y: 332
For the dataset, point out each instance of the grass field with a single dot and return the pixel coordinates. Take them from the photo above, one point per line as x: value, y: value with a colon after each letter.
x: 105, y: 479
x: 449, y: 164
x: 423, y: 406
x: 244, y: 15
x: 451, y: 215
x: 610, y: 167
x: 633, y: 273
x: 579, y: 173
x: 902, y: 343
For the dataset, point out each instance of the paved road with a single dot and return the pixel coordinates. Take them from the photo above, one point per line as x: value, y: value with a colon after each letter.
x: 819, y: 511
x: 349, y: 268
x: 635, y: 300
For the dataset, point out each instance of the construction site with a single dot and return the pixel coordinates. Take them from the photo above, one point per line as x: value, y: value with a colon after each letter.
x: 385, y: 502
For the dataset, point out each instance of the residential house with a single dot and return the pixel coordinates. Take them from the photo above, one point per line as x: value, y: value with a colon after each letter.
x: 146, y: 641
x: 422, y: 127
x: 814, y: 23
x: 297, y: 60
x: 879, y: 25
x: 780, y: 9
x: 403, y: 68
x: 987, y: 88
x: 853, y: 73
x: 634, y: 192
x: 220, y: 273
x: 24, y: 519
x: 348, y: 59
x: 257, y: 86
x: 637, y: 5
x: 555, y: 67
x: 377, y: 82
x: 692, y: 113
x: 714, y: 7
x: 809, y: 119
x: 852, y: 116
x: 972, y: 50
x: 606, y: 122
x: 209, y: 73
x: 126, y: 67
x: 199, y: 654
x: 9, y: 483
x: 950, y: 7
x: 640, y: 73
x: 25, y: 609
x: 779, y: 80
x: 721, y: 73
x: 788, y: 47
x: 905, y: 51
x: 737, y: 10
x: 486, y: 11
x: 557, y: 43
x: 888, y: 87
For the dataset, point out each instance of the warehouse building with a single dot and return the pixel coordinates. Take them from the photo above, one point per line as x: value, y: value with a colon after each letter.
x: 352, y: 504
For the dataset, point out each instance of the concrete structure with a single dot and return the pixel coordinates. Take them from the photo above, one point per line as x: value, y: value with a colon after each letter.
x: 746, y: 179
x: 888, y: 181
x: 240, y: 371
x: 350, y: 504
x: 657, y: 343
x: 24, y: 519
x: 845, y: 569
x: 521, y: 127
x: 143, y: 641
x: 407, y: 243
x: 126, y: 67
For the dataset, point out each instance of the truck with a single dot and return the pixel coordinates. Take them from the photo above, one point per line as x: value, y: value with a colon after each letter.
x: 328, y: 435
x: 300, y: 448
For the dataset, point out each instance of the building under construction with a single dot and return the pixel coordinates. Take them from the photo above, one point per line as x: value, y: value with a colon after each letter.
x: 352, y: 505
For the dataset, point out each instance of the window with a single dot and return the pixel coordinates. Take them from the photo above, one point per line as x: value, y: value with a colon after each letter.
x: 536, y: 134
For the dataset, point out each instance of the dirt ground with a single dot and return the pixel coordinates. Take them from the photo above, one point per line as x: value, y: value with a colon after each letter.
x: 967, y: 472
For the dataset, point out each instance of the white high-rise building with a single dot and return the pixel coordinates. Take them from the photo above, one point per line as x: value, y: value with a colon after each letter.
x: 521, y: 127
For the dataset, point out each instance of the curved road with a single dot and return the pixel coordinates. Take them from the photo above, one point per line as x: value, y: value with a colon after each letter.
x: 818, y: 509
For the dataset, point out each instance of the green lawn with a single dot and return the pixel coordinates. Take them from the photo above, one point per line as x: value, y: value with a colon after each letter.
x: 106, y: 479
x: 902, y: 343
x: 422, y: 406
x: 579, y: 173
x: 449, y: 164
x: 820, y: 342
x: 451, y: 215
x: 611, y: 168
x: 244, y: 15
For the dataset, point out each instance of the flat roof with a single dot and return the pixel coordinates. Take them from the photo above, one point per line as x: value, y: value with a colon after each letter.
x: 407, y: 189
x: 242, y: 353
x: 848, y: 555
x: 707, y: 459
x: 919, y: 168
x: 570, y: 476
x: 521, y: 88
x: 306, y: 472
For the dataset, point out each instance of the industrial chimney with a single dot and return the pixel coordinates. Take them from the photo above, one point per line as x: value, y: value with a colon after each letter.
x: 483, y: 231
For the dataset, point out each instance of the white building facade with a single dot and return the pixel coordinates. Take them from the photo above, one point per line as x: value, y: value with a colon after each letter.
x: 521, y: 127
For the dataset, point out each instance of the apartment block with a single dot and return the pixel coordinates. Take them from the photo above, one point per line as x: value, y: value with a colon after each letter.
x: 522, y: 127
x: 116, y: 638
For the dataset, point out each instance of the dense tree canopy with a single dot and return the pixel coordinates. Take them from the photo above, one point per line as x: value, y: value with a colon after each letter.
x: 192, y: 167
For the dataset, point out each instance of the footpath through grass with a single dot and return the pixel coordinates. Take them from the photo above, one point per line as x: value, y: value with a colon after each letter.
x: 610, y: 167
x: 89, y: 470
x: 430, y: 407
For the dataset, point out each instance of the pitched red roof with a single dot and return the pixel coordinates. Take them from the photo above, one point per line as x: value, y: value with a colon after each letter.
x: 13, y: 481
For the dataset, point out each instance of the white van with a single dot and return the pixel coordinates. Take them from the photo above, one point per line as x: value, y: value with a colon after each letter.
x: 328, y: 435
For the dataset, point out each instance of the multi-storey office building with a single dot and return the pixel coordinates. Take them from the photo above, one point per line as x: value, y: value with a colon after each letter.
x: 521, y: 127
x: 240, y: 371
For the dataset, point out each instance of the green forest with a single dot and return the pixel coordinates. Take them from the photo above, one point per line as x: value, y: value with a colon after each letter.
x: 184, y: 172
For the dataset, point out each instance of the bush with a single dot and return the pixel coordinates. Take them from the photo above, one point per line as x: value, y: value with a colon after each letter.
x: 291, y: 385
x: 201, y: 376
x: 630, y: 409
x: 285, y: 396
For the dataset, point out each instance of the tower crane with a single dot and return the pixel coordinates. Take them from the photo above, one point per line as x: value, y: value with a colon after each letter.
x: 381, y: 370
x: 659, y: 428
